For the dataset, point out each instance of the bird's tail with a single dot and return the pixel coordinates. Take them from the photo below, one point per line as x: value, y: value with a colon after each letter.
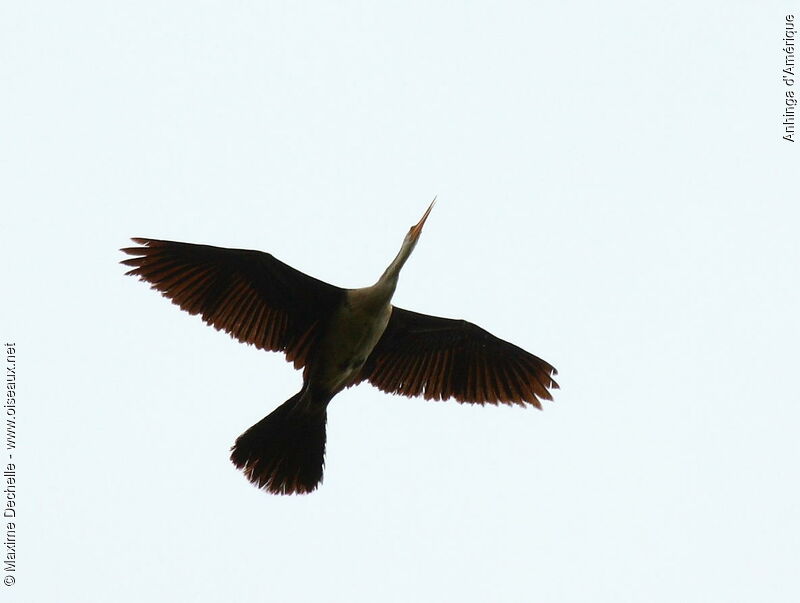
x: 284, y: 452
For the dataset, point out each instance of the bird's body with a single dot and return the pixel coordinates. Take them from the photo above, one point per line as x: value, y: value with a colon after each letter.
x: 340, y: 337
x: 354, y: 330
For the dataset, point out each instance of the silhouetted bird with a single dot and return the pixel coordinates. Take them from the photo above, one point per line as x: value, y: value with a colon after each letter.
x: 339, y: 337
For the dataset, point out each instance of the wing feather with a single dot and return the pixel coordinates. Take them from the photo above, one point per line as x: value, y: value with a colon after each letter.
x: 441, y: 358
x: 251, y: 295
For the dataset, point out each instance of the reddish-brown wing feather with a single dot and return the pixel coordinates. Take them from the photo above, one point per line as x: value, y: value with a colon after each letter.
x: 249, y: 294
x: 440, y: 358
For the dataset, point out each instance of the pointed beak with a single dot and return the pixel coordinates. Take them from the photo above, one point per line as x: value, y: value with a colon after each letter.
x: 417, y: 228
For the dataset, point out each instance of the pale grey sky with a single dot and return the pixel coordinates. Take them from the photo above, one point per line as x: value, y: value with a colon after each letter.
x: 614, y: 196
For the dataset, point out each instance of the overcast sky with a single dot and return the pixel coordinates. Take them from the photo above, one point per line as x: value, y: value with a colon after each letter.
x: 614, y: 196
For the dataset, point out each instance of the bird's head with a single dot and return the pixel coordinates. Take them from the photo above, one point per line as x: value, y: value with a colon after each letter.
x: 413, y: 233
x: 391, y: 274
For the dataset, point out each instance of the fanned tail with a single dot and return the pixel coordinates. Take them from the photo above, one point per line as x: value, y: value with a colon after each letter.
x: 284, y: 452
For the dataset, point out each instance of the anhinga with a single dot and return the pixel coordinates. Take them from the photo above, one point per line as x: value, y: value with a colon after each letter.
x: 340, y: 337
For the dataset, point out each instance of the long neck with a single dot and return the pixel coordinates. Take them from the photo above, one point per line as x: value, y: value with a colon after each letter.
x: 392, y: 273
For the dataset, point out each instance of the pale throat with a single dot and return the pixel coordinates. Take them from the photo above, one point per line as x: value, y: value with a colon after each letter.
x: 392, y: 272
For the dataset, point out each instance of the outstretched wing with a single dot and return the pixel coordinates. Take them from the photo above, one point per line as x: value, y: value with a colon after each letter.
x: 440, y: 358
x: 249, y: 294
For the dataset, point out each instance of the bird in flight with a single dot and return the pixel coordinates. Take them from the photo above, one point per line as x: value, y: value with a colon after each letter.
x: 339, y: 337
